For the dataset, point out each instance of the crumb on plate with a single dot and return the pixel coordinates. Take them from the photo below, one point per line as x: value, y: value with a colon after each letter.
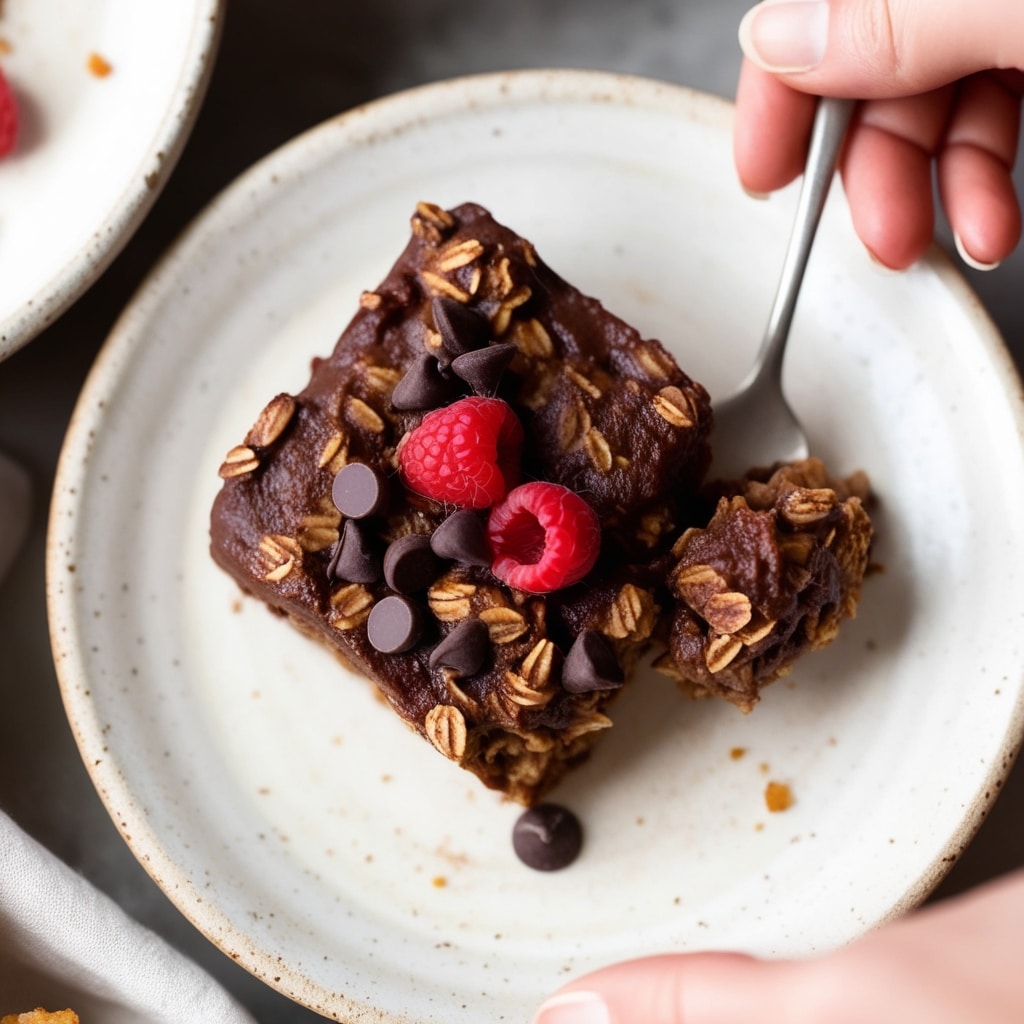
x: 98, y: 66
x: 41, y: 1016
x: 778, y: 797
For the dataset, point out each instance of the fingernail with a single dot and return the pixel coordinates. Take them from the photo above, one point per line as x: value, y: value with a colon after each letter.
x: 968, y: 258
x: 573, y: 1008
x: 756, y: 195
x: 786, y: 35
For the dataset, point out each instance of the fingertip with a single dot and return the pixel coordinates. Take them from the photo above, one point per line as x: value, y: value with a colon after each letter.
x: 692, y: 988
x: 785, y: 36
x: 574, y: 1006
x: 981, y: 203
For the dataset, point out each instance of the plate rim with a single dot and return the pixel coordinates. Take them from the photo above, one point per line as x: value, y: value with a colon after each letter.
x: 406, y: 106
x: 96, y: 251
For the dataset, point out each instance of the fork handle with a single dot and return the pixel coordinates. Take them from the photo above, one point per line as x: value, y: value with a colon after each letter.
x: 831, y: 119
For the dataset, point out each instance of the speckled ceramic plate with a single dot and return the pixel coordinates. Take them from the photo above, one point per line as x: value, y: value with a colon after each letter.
x: 336, y: 855
x: 94, y: 150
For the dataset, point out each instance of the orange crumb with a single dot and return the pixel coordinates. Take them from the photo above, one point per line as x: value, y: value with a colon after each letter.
x: 737, y: 752
x: 41, y: 1016
x: 98, y: 66
x: 439, y: 881
x: 5, y: 47
x: 778, y: 797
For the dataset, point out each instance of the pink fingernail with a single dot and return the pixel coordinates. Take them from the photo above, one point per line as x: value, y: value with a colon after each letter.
x: 973, y: 263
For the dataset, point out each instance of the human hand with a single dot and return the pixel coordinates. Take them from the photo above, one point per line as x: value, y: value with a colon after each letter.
x: 942, y: 82
x: 956, y: 961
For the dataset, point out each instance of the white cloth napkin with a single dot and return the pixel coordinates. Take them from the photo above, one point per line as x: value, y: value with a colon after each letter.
x: 63, y: 943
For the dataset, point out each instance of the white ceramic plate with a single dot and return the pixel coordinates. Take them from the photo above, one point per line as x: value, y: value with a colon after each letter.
x: 300, y: 825
x: 94, y: 152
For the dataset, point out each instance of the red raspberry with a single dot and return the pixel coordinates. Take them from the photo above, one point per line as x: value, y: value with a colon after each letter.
x: 465, y: 454
x: 8, y: 117
x: 544, y: 537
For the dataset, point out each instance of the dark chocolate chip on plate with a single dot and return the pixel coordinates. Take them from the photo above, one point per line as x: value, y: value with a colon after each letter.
x: 462, y: 329
x: 410, y: 564
x: 395, y: 625
x: 591, y: 665
x: 482, y: 368
x: 547, y: 837
x: 359, y: 491
x: 424, y: 386
x: 464, y: 650
x: 462, y: 537
x: 354, y: 560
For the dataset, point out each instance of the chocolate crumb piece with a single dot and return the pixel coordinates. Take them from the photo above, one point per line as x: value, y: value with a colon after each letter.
x: 547, y: 837
x: 770, y: 577
x: 591, y: 665
x: 462, y: 329
x: 354, y: 560
x: 424, y: 386
x: 359, y: 491
x: 464, y: 649
x: 410, y: 564
x: 482, y: 368
x: 462, y: 537
x: 395, y: 625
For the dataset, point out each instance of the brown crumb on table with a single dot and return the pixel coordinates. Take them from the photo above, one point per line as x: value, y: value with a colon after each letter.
x: 41, y: 1016
x: 98, y: 66
x: 5, y: 46
x: 778, y: 797
x: 737, y: 753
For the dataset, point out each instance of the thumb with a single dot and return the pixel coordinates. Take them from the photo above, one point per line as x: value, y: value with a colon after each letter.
x: 869, y: 49
x: 696, y: 988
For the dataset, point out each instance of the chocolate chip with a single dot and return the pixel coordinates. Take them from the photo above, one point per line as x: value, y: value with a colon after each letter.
x: 394, y: 625
x: 424, y: 386
x: 547, y: 837
x: 359, y: 491
x: 482, y: 368
x: 591, y: 665
x: 462, y: 537
x: 410, y: 564
x: 464, y: 649
x: 354, y: 560
x: 462, y: 329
